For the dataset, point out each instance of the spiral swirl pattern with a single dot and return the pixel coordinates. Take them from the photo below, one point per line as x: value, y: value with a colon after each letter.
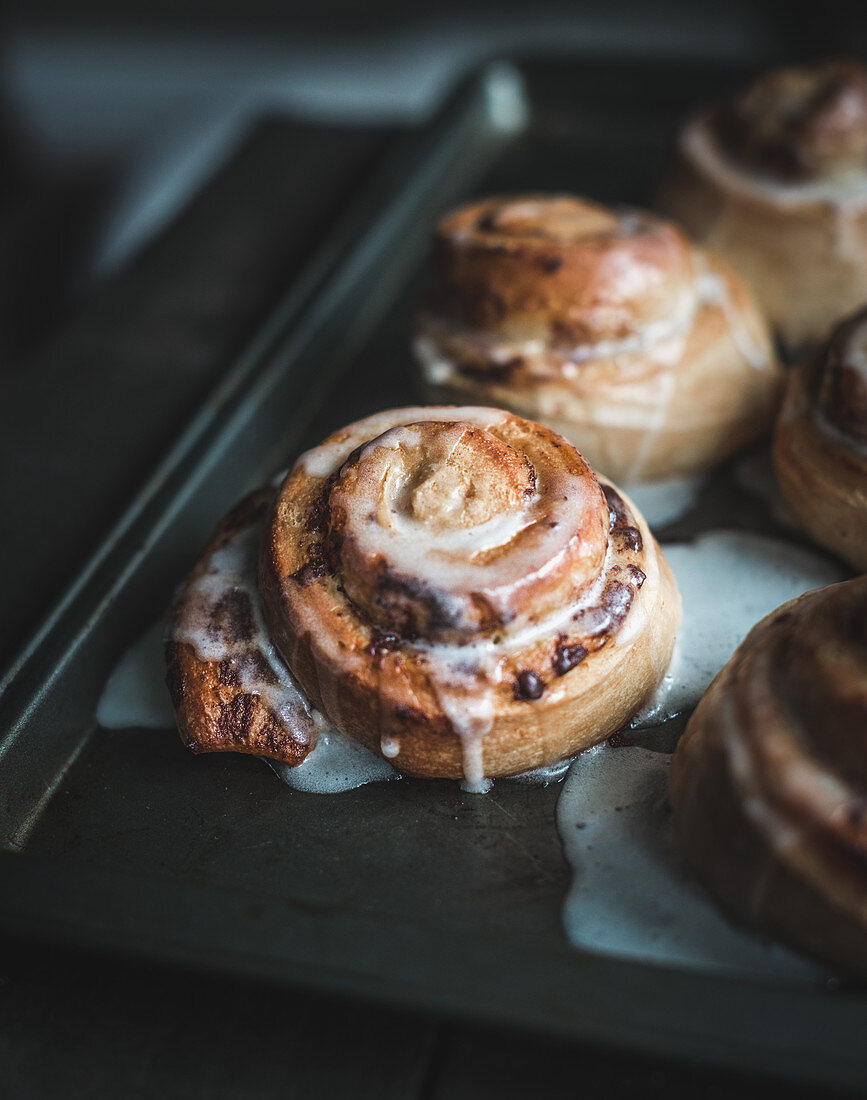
x: 648, y: 354
x: 800, y: 123
x: 820, y: 446
x: 775, y: 180
x: 447, y: 583
x: 769, y: 784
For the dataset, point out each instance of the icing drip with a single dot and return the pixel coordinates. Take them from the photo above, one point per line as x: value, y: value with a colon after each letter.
x: 322, y: 461
x: 135, y: 693
x: 701, y: 145
x: 433, y: 517
x: 628, y: 898
x: 728, y: 581
x: 222, y: 620
x: 336, y: 764
x: 135, y: 697
x: 715, y: 291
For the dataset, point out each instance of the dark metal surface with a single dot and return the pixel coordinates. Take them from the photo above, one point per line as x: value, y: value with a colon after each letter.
x: 85, y: 421
x: 411, y: 892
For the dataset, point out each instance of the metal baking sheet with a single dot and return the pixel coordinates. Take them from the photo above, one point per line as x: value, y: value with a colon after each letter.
x: 412, y: 892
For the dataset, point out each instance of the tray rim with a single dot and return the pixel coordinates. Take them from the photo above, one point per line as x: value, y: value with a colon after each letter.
x: 32, y: 886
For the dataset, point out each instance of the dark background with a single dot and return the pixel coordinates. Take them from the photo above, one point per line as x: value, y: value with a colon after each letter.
x: 113, y: 117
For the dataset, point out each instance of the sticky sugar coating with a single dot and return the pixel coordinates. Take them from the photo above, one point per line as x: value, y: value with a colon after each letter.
x: 775, y: 180
x: 647, y: 353
x: 769, y: 785
x: 457, y: 585
x: 820, y: 445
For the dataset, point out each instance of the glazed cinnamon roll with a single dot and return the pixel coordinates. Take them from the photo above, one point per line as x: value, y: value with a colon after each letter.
x: 649, y: 355
x: 776, y: 181
x: 769, y: 784
x: 820, y: 446
x: 452, y: 587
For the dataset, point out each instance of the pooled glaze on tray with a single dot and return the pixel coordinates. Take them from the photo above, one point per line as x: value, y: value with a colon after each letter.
x: 728, y: 581
x: 443, y: 563
x: 628, y: 897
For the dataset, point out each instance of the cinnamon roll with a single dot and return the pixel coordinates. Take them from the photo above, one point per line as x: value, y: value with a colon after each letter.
x: 769, y: 784
x: 648, y: 354
x: 820, y: 446
x: 776, y: 181
x: 451, y: 587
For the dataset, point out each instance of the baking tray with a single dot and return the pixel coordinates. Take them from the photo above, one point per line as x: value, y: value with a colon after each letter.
x: 411, y: 892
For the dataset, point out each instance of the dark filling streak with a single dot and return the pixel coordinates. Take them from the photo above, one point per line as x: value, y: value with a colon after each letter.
x: 236, y: 717
x: 382, y: 642
x: 619, y: 525
x: 567, y: 656
x: 617, y: 515
x: 232, y: 617
x: 528, y: 685
x: 606, y: 617
x: 799, y: 124
x: 314, y: 568
x: 318, y: 521
x: 842, y: 391
x: 549, y: 264
x: 630, y: 538
x: 402, y: 596
x: 638, y: 575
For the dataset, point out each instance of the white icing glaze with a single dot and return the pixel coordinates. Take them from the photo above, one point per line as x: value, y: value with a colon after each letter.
x: 715, y: 291
x: 544, y: 776
x: 728, y: 581
x: 336, y: 764
x: 135, y: 695
x: 327, y: 458
x: 700, y: 145
x: 662, y: 502
x: 656, y: 411
x: 233, y: 570
x: 628, y: 897
x: 532, y: 537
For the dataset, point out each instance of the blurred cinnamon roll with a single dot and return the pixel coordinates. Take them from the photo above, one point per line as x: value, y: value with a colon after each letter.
x: 451, y: 587
x: 775, y: 180
x: 820, y: 445
x: 769, y: 785
x: 649, y: 355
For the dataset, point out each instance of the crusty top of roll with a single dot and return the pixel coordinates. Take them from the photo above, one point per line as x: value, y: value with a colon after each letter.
x: 798, y: 716
x: 445, y: 523
x: 443, y: 528
x: 562, y: 269
x: 841, y: 376
x: 803, y: 123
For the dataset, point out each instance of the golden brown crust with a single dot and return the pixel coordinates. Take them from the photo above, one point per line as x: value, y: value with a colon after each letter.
x: 820, y: 454
x: 769, y: 785
x: 560, y: 267
x: 800, y: 123
x: 214, y: 711
x: 652, y: 357
x: 776, y: 181
x: 414, y: 488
